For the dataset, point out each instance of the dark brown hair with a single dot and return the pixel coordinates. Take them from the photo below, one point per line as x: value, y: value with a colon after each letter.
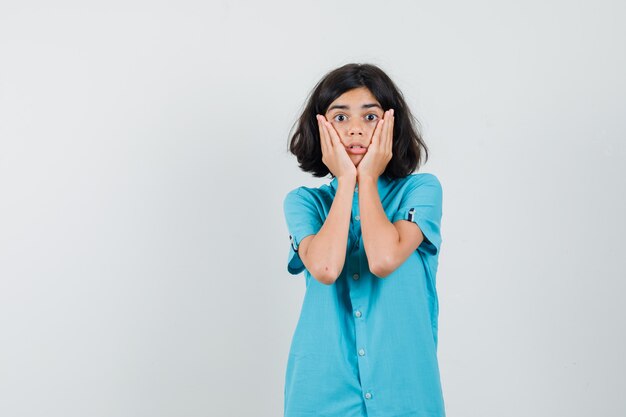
x: 408, y: 145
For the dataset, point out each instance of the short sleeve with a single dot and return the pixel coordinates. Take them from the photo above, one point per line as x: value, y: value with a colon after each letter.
x: 303, y: 219
x: 421, y: 204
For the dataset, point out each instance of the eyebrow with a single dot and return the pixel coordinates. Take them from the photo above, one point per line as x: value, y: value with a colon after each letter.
x: 344, y: 107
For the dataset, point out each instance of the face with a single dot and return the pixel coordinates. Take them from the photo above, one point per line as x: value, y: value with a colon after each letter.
x: 354, y: 114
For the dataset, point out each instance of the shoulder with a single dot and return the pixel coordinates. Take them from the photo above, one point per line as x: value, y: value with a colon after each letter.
x: 417, y: 181
x: 423, y: 178
x: 293, y: 197
x: 420, y: 186
x: 312, y: 194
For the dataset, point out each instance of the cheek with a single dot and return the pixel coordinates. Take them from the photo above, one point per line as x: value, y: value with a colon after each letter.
x: 340, y: 129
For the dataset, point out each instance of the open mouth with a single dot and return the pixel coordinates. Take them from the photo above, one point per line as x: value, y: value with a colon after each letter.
x: 356, y: 150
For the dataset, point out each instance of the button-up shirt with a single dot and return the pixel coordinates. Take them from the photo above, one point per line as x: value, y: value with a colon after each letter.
x: 364, y: 345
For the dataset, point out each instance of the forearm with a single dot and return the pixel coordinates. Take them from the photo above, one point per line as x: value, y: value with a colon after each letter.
x: 327, y: 250
x: 380, y: 237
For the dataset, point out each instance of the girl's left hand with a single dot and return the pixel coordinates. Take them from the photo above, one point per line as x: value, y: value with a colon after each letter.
x: 379, y: 152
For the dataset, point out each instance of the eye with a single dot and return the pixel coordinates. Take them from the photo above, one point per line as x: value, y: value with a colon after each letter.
x: 340, y: 117
x: 371, y: 117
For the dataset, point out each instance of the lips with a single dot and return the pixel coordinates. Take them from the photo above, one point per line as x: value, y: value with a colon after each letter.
x: 356, y: 150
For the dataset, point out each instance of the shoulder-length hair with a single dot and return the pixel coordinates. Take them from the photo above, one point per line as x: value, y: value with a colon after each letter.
x: 408, y: 145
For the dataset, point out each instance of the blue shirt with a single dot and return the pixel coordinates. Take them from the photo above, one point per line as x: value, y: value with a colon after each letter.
x: 367, y: 346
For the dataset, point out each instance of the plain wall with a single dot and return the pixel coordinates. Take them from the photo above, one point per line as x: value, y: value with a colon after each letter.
x: 143, y: 166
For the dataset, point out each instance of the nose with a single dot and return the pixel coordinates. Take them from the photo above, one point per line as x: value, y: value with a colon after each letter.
x: 355, y: 129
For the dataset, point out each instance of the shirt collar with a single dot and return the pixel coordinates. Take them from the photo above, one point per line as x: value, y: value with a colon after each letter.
x: 382, y: 183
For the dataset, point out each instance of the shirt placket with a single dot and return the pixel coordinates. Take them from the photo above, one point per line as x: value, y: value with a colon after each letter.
x: 359, y: 299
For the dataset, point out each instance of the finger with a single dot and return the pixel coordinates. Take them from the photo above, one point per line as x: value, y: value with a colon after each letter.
x: 334, y: 136
x: 384, y: 135
x: 322, y: 133
x: 390, y: 140
x: 380, y: 126
x: 327, y: 142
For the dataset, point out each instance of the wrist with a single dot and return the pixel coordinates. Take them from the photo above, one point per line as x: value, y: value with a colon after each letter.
x: 367, y: 179
x: 347, y: 179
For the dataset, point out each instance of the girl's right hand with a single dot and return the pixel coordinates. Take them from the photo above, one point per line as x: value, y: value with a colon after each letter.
x: 334, y: 155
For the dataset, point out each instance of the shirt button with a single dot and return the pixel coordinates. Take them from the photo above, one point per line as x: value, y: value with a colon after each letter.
x: 361, y: 352
x: 355, y: 276
x: 357, y: 217
x: 368, y: 395
x: 357, y: 313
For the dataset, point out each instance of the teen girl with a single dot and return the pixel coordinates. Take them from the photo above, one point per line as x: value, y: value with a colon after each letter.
x: 368, y: 243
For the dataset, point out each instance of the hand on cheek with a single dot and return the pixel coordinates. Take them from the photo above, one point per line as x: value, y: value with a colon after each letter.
x: 334, y: 155
x: 379, y: 153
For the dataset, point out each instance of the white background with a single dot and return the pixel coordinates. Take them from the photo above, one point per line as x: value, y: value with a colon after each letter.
x: 143, y: 166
